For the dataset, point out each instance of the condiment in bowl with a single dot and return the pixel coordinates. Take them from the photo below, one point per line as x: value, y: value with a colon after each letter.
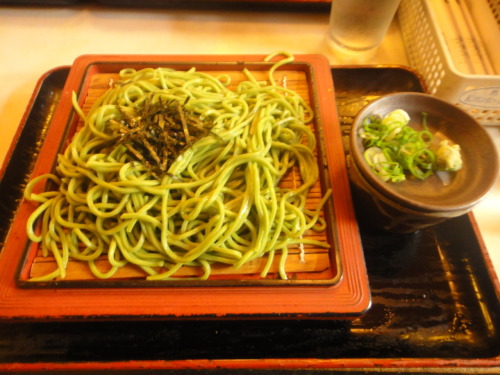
x: 453, y: 168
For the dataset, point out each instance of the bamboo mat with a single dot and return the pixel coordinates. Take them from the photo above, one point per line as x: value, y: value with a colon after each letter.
x: 307, y: 262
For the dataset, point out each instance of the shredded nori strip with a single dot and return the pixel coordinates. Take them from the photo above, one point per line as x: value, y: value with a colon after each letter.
x: 157, y: 133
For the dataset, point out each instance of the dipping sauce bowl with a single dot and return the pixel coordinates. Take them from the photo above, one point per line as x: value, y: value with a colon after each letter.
x: 412, y: 204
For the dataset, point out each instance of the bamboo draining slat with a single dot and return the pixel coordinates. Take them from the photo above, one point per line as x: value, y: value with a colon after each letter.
x: 307, y: 262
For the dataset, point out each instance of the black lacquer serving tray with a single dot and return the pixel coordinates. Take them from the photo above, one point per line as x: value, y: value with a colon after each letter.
x: 436, y: 304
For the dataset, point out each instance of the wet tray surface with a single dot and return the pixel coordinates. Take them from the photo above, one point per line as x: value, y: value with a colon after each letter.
x: 435, y: 302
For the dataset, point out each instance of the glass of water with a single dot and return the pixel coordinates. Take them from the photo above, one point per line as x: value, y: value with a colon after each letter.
x: 357, y: 27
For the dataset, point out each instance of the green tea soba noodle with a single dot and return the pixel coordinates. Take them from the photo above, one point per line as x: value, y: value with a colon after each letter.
x: 173, y: 169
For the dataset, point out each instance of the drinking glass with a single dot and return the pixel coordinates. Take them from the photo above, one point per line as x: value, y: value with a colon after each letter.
x: 358, y: 26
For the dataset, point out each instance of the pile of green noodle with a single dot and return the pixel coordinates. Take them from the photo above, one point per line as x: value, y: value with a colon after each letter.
x: 220, y: 200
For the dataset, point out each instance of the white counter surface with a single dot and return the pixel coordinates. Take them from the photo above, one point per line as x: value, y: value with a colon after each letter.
x: 34, y: 40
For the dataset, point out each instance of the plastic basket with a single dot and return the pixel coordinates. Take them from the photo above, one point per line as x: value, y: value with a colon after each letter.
x: 477, y: 94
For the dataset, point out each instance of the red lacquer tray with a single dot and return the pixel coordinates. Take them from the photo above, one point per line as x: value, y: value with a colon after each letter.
x: 342, y: 293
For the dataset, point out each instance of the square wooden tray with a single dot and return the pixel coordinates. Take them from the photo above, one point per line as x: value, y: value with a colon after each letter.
x: 333, y: 284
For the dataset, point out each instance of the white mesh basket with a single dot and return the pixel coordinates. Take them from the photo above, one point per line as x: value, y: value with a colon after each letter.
x: 477, y: 94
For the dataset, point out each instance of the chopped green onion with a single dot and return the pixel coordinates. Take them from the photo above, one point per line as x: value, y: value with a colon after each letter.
x: 392, y: 147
